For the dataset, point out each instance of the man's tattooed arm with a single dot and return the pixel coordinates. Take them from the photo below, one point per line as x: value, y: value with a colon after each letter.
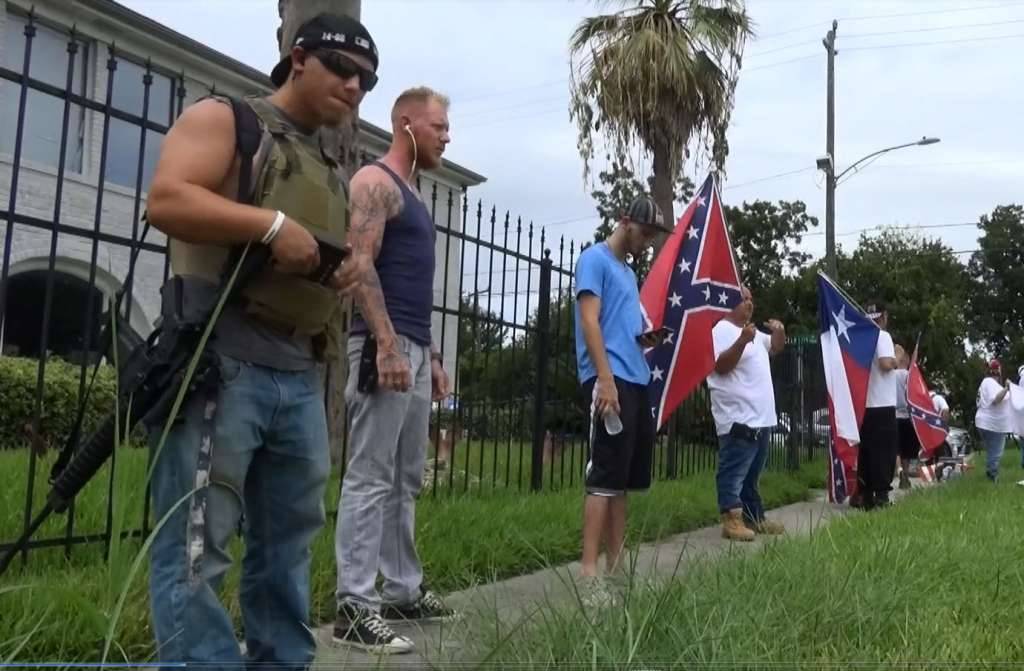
x: 374, y: 199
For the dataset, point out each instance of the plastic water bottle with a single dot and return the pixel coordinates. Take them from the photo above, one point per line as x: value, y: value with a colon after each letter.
x: 612, y: 423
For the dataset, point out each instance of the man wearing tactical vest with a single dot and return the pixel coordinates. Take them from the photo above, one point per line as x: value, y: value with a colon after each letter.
x: 395, y: 372
x: 264, y: 452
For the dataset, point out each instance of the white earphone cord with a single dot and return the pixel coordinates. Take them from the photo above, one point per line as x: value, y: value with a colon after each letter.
x: 415, y: 151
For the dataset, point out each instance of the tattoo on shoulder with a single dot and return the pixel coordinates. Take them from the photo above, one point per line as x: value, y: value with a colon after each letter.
x: 373, y: 203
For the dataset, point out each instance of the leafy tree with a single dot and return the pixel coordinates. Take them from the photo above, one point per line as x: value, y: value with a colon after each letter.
x: 765, y: 236
x: 480, y: 360
x: 997, y: 299
x: 926, y: 289
x: 660, y: 74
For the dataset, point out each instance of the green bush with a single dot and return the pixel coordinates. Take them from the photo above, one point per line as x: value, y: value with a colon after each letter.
x: 60, y: 400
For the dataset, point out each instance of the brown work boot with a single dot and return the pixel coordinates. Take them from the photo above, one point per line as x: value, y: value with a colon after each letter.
x: 767, y: 527
x: 733, y: 527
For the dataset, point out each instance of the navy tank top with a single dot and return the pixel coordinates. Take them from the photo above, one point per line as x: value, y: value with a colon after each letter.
x: 405, y: 266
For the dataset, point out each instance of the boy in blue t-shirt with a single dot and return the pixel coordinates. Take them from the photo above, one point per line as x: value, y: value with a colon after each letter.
x: 614, y: 375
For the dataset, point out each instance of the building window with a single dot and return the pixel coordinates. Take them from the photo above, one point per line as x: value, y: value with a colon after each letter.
x: 44, y: 113
x: 123, y: 144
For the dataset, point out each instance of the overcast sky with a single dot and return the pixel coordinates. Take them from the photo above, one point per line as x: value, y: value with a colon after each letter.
x: 905, y: 69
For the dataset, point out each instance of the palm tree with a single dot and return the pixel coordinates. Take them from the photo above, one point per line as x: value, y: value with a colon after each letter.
x: 661, y: 73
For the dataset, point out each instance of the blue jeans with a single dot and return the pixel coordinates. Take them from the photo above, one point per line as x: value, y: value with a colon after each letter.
x: 995, y: 445
x: 740, y: 463
x: 269, y: 460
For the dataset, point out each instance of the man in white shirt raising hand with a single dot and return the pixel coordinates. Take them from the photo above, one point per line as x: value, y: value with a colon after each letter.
x: 743, y: 405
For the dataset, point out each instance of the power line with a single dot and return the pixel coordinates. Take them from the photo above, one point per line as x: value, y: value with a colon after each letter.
x: 935, y: 42
x: 524, y: 103
x: 769, y: 177
x: 544, y: 112
x: 931, y: 12
x: 932, y: 29
x: 798, y: 59
x: 818, y: 24
x: 909, y: 227
x: 821, y: 24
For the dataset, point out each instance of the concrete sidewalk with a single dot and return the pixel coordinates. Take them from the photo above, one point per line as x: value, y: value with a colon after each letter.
x: 440, y: 644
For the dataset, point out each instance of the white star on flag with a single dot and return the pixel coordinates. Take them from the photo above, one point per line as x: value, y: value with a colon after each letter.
x: 707, y: 293
x: 693, y: 232
x: 723, y: 298
x: 668, y: 338
x: 675, y: 299
x: 842, y: 324
x: 684, y: 266
x: 701, y: 201
x: 657, y: 373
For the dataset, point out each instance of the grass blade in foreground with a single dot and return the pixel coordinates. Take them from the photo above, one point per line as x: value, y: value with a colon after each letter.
x: 936, y: 579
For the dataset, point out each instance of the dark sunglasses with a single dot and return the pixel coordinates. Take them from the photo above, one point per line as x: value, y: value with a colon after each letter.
x: 346, y: 68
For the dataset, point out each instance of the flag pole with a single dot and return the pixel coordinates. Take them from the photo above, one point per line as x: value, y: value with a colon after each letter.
x: 843, y: 293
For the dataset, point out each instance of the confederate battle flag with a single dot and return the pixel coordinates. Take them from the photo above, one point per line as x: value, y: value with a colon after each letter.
x: 928, y: 424
x: 693, y: 283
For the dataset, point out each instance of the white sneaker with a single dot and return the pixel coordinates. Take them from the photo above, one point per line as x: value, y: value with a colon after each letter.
x: 594, y: 594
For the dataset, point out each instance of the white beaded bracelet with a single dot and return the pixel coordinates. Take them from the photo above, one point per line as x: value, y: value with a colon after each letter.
x: 274, y: 228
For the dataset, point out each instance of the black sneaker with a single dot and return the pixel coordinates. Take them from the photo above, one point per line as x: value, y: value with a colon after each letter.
x: 364, y: 629
x: 428, y: 608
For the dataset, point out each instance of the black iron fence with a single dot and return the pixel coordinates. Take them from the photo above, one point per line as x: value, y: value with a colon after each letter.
x: 71, y: 235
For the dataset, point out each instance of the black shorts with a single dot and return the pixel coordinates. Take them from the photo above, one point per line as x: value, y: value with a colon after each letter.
x: 909, y: 447
x: 622, y: 462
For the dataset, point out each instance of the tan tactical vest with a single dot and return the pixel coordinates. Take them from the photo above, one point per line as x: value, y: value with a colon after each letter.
x: 292, y: 176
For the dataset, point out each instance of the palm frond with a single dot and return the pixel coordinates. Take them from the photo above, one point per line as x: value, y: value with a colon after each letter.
x: 661, y: 74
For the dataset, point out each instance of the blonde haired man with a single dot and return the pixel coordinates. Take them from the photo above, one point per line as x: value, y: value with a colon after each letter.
x: 395, y: 373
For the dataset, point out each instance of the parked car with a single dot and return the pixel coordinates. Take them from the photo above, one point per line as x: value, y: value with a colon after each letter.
x: 816, y: 430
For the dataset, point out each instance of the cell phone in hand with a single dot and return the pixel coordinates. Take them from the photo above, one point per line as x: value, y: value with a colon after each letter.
x: 331, y: 257
x: 661, y: 333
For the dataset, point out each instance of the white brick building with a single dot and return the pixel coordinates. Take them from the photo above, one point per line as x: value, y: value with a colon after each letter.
x: 182, y: 71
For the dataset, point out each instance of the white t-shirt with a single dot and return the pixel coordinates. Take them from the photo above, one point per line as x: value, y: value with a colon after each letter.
x: 939, y: 401
x: 745, y: 394
x: 882, y: 385
x: 902, y: 379
x: 992, y: 416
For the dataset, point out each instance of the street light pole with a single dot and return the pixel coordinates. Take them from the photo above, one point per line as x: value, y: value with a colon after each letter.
x: 830, y: 150
x: 827, y: 163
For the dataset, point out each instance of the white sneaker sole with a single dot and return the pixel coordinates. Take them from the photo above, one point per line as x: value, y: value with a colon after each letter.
x: 391, y: 649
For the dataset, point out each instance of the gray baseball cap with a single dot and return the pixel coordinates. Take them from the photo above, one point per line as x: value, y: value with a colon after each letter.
x: 643, y: 210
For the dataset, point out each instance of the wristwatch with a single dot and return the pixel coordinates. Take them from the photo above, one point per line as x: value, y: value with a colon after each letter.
x: 436, y: 356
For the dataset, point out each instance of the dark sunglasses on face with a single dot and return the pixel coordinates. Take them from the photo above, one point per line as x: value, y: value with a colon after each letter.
x: 346, y: 68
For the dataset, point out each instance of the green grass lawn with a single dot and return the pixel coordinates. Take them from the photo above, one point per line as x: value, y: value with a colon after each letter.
x: 58, y: 608
x: 937, y: 579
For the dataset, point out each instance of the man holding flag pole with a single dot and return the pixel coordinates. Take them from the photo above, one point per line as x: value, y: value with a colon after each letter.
x: 694, y: 288
x: 848, y: 344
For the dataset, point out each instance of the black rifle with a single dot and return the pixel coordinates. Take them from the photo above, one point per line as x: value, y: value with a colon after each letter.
x: 149, y: 381
x: 148, y: 384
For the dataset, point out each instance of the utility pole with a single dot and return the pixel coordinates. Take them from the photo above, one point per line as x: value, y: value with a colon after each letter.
x: 830, y: 150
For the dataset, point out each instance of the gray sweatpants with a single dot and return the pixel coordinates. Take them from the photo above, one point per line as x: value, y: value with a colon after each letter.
x: 388, y: 435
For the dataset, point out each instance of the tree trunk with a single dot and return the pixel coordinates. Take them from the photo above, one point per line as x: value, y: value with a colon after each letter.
x: 664, y: 178
x: 344, y: 140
